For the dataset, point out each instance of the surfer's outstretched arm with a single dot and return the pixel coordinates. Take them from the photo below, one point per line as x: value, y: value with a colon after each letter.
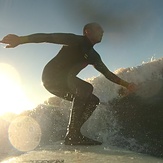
x: 56, y: 38
x: 114, y: 78
x: 100, y: 66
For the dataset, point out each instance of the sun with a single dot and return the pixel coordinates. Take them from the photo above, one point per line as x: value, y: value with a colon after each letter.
x: 12, y: 96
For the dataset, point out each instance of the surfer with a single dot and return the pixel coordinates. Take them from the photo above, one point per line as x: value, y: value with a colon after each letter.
x: 60, y: 74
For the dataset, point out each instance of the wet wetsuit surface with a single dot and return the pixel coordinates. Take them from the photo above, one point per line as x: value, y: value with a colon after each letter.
x: 75, y: 55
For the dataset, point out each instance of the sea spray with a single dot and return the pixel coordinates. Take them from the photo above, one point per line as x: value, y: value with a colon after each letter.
x: 133, y: 122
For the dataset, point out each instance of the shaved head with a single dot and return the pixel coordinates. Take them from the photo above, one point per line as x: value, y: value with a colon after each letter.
x: 94, y: 32
x: 89, y: 26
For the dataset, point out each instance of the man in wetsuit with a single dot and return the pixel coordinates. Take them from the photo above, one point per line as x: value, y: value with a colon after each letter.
x: 60, y: 74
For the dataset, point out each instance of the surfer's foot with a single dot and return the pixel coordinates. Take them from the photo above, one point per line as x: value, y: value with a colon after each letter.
x: 80, y: 140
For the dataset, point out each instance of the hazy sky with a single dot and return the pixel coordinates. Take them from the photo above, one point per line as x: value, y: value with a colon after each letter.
x: 133, y: 33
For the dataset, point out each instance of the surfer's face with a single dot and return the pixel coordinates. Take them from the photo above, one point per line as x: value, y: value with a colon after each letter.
x: 95, y: 33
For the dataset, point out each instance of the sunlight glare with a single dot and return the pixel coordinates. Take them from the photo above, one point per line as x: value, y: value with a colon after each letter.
x: 13, y: 99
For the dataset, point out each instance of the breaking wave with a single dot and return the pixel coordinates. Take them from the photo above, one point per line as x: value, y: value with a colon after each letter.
x: 133, y: 121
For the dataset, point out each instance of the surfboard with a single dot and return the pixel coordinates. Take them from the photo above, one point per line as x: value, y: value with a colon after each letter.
x: 60, y: 153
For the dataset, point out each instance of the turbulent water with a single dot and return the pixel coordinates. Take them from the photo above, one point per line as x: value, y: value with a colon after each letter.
x: 132, y: 122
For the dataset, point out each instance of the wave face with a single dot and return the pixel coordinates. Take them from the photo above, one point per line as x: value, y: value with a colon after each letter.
x: 133, y: 121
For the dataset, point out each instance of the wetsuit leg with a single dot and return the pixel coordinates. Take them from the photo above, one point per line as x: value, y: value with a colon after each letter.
x: 90, y: 107
x: 59, y: 89
x: 84, y: 104
x: 80, y: 113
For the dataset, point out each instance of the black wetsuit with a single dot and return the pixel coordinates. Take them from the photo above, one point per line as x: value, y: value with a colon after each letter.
x: 60, y: 74
x: 60, y: 78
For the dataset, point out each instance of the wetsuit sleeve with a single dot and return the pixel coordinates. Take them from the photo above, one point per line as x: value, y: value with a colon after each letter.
x: 101, y: 67
x: 56, y: 38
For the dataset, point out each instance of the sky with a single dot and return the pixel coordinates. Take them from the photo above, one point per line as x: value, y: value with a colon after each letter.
x: 133, y: 33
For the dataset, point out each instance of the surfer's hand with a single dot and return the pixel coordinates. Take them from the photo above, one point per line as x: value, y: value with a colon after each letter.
x: 12, y: 40
x: 132, y: 87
